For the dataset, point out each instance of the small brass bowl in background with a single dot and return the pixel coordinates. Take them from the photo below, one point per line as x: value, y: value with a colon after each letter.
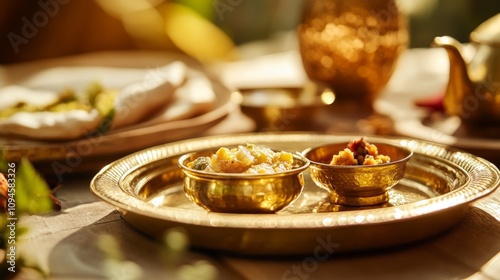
x: 242, y: 193
x: 357, y: 185
x: 285, y: 109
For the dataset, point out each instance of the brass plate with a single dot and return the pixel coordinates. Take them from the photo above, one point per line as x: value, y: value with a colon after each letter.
x: 476, y: 139
x: 439, y: 185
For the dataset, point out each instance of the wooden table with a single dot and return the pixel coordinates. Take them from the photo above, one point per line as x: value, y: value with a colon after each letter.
x: 65, y: 244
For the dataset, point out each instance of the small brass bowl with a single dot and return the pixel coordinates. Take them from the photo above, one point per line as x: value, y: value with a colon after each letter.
x: 357, y: 185
x: 286, y: 109
x: 242, y: 193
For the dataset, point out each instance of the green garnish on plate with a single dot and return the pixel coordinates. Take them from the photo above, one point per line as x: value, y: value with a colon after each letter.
x: 94, y: 97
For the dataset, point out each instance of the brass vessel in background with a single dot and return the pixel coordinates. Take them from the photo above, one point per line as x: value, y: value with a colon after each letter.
x: 352, y: 46
x: 473, y: 91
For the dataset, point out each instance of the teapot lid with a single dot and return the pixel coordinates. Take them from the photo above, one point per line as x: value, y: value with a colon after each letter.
x: 487, y: 32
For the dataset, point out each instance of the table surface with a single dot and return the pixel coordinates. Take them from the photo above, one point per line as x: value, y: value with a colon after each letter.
x: 65, y: 243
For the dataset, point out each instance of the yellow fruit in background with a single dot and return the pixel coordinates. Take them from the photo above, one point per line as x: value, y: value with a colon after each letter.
x: 195, y: 35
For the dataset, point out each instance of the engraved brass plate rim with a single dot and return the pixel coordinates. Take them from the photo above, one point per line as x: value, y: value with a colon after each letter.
x: 120, y: 183
x: 116, y: 170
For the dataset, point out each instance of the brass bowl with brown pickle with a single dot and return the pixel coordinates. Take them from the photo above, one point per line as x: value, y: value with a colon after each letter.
x: 357, y: 185
x: 242, y: 192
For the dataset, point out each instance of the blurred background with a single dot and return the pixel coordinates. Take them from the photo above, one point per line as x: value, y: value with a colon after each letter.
x: 205, y: 29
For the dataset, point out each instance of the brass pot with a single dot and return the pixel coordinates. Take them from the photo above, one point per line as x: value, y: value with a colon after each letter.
x: 352, y: 46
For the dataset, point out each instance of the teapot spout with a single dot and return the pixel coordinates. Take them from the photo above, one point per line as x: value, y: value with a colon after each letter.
x: 459, y: 83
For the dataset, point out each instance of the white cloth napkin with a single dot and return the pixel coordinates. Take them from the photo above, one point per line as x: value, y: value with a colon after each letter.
x: 136, y: 101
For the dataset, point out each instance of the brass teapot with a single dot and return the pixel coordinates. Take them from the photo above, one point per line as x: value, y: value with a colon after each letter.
x: 473, y: 91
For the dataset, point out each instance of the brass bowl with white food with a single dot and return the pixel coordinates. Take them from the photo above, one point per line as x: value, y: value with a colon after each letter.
x: 242, y: 180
